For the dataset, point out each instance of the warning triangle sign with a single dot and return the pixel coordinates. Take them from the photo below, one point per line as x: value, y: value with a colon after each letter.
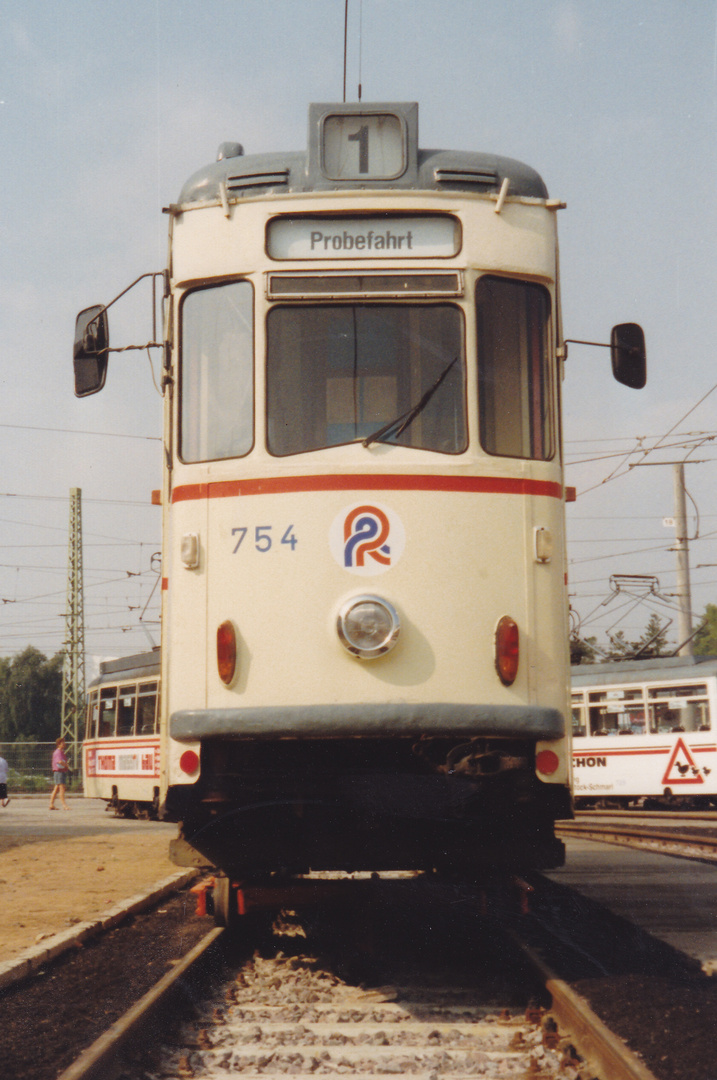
x: 681, y: 768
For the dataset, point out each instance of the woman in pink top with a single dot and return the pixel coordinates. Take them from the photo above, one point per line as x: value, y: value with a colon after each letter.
x: 59, y: 769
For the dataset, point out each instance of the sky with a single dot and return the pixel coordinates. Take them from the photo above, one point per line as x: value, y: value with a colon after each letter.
x: 106, y: 108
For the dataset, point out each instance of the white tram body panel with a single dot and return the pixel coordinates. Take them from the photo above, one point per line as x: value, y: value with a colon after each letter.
x: 364, y: 619
x: 646, y: 731
x: 467, y: 521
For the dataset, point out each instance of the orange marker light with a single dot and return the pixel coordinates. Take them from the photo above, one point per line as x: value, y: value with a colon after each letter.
x: 226, y: 652
x: 507, y: 650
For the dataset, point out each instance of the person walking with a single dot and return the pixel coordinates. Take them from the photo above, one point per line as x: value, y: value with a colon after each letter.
x: 60, y: 767
x: 4, y: 800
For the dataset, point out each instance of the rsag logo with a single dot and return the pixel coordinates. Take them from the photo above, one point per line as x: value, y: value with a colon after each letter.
x: 367, y: 540
x: 366, y: 532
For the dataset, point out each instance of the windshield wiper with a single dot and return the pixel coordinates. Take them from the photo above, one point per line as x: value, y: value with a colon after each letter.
x: 401, y: 422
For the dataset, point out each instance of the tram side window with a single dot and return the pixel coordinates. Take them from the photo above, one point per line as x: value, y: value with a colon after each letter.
x: 217, y: 373
x: 617, y: 712
x: 93, y: 712
x: 147, y: 709
x: 514, y: 368
x: 338, y: 373
x: 578, y: 710
x: 679, y: 708
x: 126, y: 703
x: 108, y: 712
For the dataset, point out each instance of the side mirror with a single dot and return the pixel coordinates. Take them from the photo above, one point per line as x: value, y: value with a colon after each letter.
x: 91, y: 350
x: 627, y: 351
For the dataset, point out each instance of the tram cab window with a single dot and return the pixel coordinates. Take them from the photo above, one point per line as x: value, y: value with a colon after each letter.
x: 338, y: 373
x: 514, y: 384
x: 108, y: 712
x: 126, y: 702
x: 217, y: 373
x: 147, y: 709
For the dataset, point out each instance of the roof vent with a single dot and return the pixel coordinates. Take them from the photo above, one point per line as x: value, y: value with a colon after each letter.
x: 262, y: 178
x: 466, y: 175
x: 230, y: 149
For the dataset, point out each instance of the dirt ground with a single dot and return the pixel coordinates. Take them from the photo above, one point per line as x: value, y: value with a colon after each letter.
x: 49, y: 885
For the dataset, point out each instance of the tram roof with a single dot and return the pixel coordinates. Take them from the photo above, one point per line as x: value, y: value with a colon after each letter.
x: 438, y: 170
x: 687, y: 668
x: 139, y: 666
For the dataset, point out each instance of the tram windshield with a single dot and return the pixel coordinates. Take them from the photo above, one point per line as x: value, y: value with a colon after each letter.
x: 345, y: 372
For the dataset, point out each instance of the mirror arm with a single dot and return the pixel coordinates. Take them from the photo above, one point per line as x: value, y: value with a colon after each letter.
x: 576, y: 341
x: 601, y: 345
x: 128, y: 348
x: 154, y: 274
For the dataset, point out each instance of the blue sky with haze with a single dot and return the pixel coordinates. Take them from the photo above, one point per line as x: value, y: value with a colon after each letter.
x: 106, y: 108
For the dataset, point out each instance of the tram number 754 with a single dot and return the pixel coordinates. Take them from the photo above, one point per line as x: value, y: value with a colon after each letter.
x: 263, y: 539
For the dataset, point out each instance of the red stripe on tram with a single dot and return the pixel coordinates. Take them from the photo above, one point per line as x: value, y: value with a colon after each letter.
x: 279, y: 485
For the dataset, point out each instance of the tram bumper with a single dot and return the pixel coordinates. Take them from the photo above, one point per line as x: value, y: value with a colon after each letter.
x: 369, y: 720
x: 369, y: 787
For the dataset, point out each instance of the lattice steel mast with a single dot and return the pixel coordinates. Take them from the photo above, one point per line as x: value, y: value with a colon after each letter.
x: 73, y: 668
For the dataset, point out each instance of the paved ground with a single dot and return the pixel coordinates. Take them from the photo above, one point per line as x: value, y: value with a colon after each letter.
x: 27, y: 818
x: 673, y: 899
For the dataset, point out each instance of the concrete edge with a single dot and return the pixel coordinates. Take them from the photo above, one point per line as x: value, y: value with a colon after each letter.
x: 29, y: 961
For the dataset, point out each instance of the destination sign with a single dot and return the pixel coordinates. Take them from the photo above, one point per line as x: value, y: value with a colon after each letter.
x: 434, y: 237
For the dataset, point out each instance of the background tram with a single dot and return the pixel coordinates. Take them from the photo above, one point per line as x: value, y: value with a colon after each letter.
x: 121, y: 751
x: 364, y: 633
x: 645, y: 732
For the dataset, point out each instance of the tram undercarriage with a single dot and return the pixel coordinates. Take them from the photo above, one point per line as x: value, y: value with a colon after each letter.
x: 362, y: 804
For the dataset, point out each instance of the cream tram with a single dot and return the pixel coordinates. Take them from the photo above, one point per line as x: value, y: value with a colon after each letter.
x: 121, y: 748
x: 365, y: 646
x: 645, y: 732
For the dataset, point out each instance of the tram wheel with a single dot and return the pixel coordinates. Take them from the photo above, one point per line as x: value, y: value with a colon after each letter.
x: 224, y: 898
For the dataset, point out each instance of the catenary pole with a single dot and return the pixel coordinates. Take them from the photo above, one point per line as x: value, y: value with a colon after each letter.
x: 73, y: 668
x: 684, y: 593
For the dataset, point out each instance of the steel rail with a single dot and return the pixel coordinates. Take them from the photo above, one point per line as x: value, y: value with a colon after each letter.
x: 101, y: 1060
x: 655, y: 815
x: 672, y: 843
x: 604, y: 1051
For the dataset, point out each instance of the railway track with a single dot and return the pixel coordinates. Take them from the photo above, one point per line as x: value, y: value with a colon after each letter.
x: 423, y: 981
x: 668, y: 834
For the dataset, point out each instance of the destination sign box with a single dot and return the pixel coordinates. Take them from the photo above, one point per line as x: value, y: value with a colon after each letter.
x: 426, y: 237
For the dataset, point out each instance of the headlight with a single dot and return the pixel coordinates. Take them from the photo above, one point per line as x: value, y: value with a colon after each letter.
x: 368, y: 626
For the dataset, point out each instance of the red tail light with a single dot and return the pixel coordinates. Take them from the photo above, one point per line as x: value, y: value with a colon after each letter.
x: 507, y: 650
x: 189, y: 762
x: 547, y: 762
x: 226, y: 652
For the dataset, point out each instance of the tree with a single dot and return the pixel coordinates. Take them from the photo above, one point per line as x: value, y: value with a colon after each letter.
x: 582, y: 650
x: 705, y: 641
x: 30, y: 696
x: 652, y: 643
x: 654, y: 640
